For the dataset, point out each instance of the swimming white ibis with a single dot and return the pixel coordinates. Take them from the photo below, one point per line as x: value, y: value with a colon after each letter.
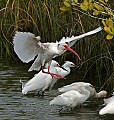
x: 27, y: 47
x: 71, y: 98
x: 90, y: 88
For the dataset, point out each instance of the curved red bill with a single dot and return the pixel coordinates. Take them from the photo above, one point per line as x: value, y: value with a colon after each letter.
x: 68, y: 48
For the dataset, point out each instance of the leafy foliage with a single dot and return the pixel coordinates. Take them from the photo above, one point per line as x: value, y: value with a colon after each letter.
x: 99, y: 9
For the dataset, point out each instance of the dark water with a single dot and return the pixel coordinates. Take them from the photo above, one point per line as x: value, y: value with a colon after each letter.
x: 15, y: 106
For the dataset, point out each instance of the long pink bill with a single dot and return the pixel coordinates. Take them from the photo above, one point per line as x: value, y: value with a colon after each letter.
x: 68, y: 48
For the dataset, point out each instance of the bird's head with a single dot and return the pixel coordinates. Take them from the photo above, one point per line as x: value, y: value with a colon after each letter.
x: 55, y: 63
x: 102, y: 94
x: 68, y: 64
x: 38, y: 38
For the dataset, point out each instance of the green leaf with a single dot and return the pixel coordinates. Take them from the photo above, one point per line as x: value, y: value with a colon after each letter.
x: 74, y: 4
x: 90, y: 1
x: 98, y: 7
x: 67, y: 4
x: 106, y: 0
x: 112, y: 29
x: 107, y: 21
x: 102, y: 1
x: 91, y: 7
x: 76, y: 1
x: 104, y: 23
x: 86, y: 3
x: 108, y: 37
x: 110, y: 23
x: 64, y: 8
x: 108, y: 30
x: 96, y: 12
x: 83, y: 7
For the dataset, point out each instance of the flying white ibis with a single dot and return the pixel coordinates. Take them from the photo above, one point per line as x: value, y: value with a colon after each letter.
x: 90, y: 88
x: 40, y: 81
x: 27, y: 47
x: 71, y: 98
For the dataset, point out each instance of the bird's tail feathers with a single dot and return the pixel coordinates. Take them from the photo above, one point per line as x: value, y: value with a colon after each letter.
x: 22, y: 83
x: 51, y: 102
x: 36, y: 65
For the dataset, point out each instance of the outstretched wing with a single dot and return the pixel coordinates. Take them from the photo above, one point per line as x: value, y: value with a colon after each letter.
x: 27, y: 46
x: 71, y: 41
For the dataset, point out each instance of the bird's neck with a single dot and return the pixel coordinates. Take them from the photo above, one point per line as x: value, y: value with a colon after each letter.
x: 86, y: 93
x: 99, y: 95
x: 53, y: 69
x: 66, y: 68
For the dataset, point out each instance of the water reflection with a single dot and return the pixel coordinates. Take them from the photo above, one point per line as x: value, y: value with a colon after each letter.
x: 15, y: 106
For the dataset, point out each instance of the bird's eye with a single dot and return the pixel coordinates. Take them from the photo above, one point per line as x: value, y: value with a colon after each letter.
x: 58, y: 45
x: 91, y: 86
x: 66, y: 43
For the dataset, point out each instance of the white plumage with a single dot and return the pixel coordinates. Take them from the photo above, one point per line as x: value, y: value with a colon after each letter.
x: 40, y: 81
x: 63, y: 71
x: 78, y: 85
x: 27, y: 46
x: 109, y: 108
x: 71, y: 98
x: 108, y: 100
x: 71, y: 41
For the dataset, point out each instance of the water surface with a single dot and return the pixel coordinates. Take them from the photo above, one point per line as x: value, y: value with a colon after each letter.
x: 15, y: 106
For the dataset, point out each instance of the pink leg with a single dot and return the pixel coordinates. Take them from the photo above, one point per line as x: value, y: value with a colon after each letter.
x: 57, y: 75
x: 52, y: 74
x: 48, y: 72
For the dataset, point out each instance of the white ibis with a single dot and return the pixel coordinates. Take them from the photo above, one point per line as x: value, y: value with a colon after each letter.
x: 40, y: 81
x: 78, y: 85
x: 64, y: 70
x: 27, y: 47
x: 109, y: 108
x: 71, y: 98
x: 100, y: 94
x: 108, y: 100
